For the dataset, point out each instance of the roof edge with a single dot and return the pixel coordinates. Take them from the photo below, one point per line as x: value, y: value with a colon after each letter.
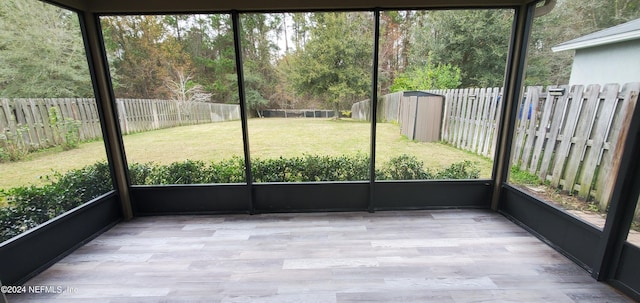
x: 207, y: 6
x: 632, y: 35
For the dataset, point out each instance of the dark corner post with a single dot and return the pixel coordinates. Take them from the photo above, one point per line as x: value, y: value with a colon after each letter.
x: 237, y: 43
x: 105, y: 98
x: 514, y: 78
x: 374, y: 108
x: 3, y: 298
x: 623, y: 202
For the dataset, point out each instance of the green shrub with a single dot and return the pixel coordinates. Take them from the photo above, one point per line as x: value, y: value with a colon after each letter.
x: 13, y: 146
x: 185, y: 172
x: 227, y: 171
x: 12, y: 223
x: 271, y: 170
x: 407, y: 167
x: 461, y: 170
x: 404, y: 167
x: 67, y: 130
x: 140, y: 173
x: 519, y: 176
x: 429, y: 76
x: 81, y: 185
x: 4, y: 155
x: 311, y: 168
x: 355, y: 168
x: 30, y: 206
x: 308, y: 168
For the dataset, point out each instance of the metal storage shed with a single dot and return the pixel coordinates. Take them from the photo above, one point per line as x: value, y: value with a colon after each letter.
x: 421, y: 115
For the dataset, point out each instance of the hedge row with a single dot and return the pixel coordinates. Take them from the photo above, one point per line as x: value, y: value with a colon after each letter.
x: 31, y: 206
x: 307, y: 168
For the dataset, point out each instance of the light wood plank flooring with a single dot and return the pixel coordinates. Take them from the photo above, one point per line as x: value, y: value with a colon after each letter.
x: 412, y: 256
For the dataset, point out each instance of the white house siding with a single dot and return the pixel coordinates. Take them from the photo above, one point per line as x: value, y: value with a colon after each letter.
x: 611, y: 63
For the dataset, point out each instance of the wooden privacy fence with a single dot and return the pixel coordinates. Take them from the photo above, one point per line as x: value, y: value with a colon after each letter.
x: 568, y: 136
x: 138, y: 115
x: 28, y: 122
x: 471, y: 118
x: 573, y: 137
x: 388, y: 108
x: 468, y: 122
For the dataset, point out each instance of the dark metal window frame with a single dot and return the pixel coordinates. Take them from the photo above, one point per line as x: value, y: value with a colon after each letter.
x: 604, y: 253
x: 259, y: 198
x: 613, y: 260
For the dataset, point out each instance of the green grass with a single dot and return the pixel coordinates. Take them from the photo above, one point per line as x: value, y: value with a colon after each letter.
x: 523, y: 177
x: 269, y: 138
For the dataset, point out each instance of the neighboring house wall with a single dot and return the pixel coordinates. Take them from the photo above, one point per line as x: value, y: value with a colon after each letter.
x: 611, y: 63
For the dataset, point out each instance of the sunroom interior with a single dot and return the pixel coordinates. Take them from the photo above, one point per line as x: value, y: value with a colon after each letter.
x: 602, y: 250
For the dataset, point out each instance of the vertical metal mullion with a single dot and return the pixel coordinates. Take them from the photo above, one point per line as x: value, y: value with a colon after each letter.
x: 374, y: 108
x: 235, y: 20
x: 106, y: 105
x: 622, y: 205
x: 514, y: 77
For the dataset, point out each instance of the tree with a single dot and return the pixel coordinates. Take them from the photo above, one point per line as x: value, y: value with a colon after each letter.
x: 301, y: 25
x: 389, y: 52
x: 41, y: 52
x: 428, y: 77
x: 476, y: 41
x: 335, y: 63
x: 143, y: 52
x: 259, y: 52
x: 208, y: 41
x: 185, y: 90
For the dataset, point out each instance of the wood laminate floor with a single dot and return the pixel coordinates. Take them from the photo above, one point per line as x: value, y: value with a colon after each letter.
x: 411, y: 256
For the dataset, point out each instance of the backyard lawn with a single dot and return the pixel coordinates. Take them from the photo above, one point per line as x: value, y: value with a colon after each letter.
x: 268, y: 138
